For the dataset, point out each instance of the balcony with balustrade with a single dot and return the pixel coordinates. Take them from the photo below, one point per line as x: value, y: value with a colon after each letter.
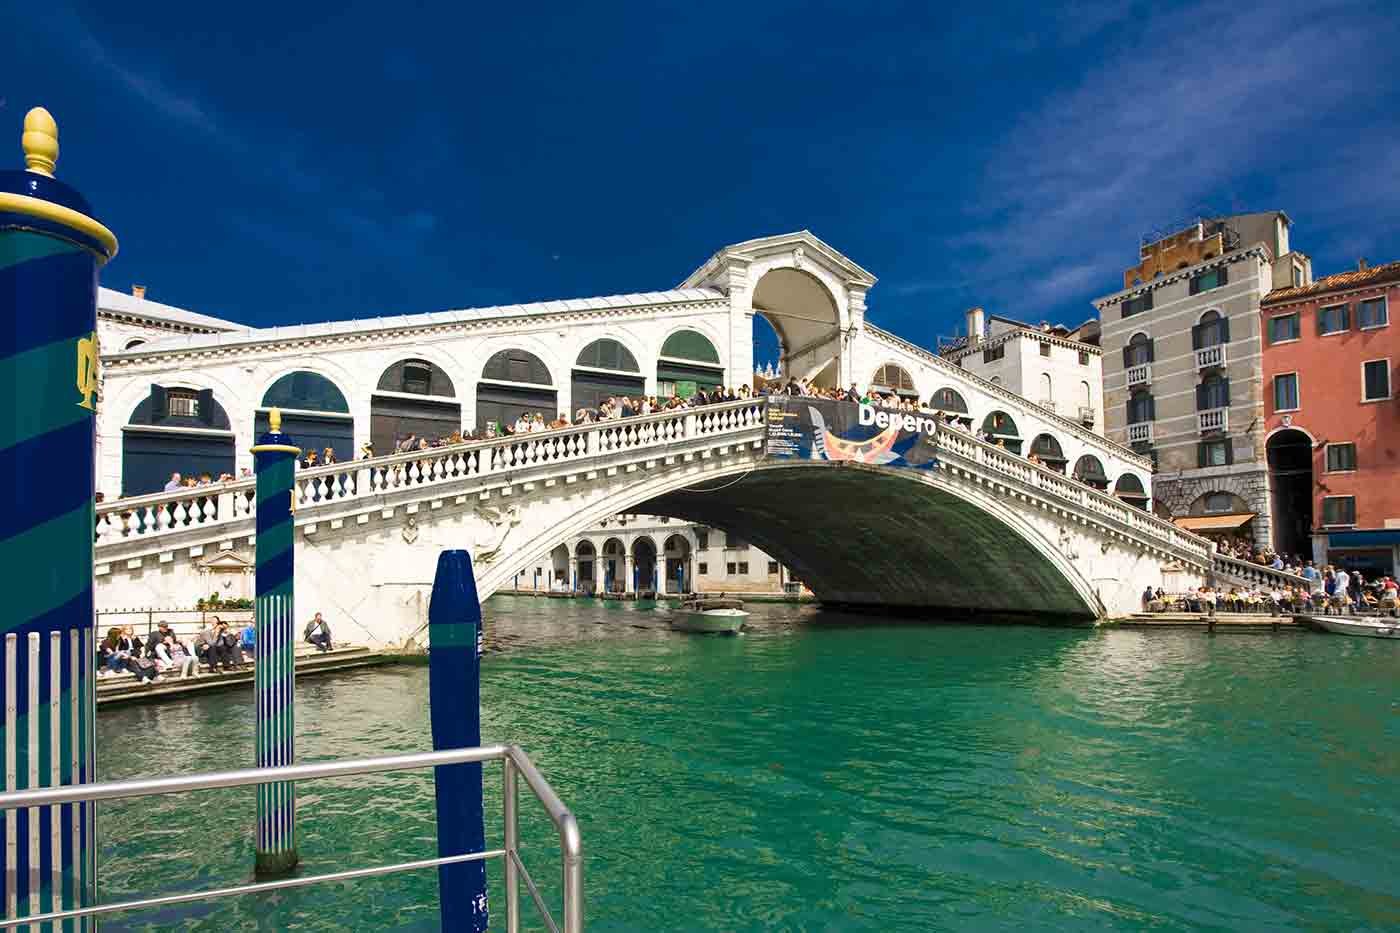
x: 1140, y: 433
x: 1210, y: 357
x: 1140, y: 375
x: 1213, y: 419
x: 1087, y: 416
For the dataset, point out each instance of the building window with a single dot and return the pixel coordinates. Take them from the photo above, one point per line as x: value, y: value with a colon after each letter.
x: 1297, y: 276
x: 704, y: 568
x: 743, y: 568
x: 1216, y: 453
x: 1339, y: 510
x: 1376, y: 379
x: 1212, y: 331
x: 1138, y: 351
x: 1341, y: 458
x: 1218, y: 502
x: 1213, y: 393
x: 1286, y: 392
x: 1137, y: 305
x: 417, y: 379
x: 1372, y: 313
x: 994, y: 353
x: 1207, y: 280
x: 1333, y: 320
x: 772, y: 567
x: 1283, y: 328
x: 1141, y: 408
x: 1045, y: 349
x: 702, y: 540
x: 1083, y: 357
x: 730, y: 567
x: 183, y: 403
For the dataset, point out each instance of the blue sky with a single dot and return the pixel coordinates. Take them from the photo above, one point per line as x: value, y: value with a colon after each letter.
x: 275, y: 163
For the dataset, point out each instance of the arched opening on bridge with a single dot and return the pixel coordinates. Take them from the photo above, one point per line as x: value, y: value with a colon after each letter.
x: 803, y: 313
x: 767, y: 353
x: 1130, y: 489
x: 643, y: 565
x: 605, y: 368
x: 949, y: 402
x: 1048, y: 451
x: 1001, y: 430
x: 893, y: 379
x: 678, y: 570
x: 174, y: 430
x: 414, y: 398
x: 586, y: 557
x: 687, y: 364
x: 614, y: 566
x: 559, y: 576
x: 315, y: 414
x: 1089, y: 470
x: 1290, y: 459
x: 514, y: 383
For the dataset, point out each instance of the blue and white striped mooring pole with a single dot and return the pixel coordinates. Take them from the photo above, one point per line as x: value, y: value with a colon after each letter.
x: 274, y: 673
x: 454, y: 698
x: 50, y: 251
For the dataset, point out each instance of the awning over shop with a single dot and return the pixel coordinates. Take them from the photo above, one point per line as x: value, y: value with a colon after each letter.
x: 1227, y: 522
x: 1384, y: 537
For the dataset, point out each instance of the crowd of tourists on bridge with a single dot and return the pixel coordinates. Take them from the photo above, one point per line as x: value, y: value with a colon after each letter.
x: 1330, y: 590
x: 217, y: 646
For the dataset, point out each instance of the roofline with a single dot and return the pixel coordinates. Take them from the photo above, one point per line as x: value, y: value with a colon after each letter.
x: 803, y: 237
x: 109, y: 299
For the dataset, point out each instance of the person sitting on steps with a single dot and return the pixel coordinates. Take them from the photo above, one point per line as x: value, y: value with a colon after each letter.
x: 318, y: 633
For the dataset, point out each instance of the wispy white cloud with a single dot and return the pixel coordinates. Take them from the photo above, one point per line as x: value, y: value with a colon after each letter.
x: 1204, y: 103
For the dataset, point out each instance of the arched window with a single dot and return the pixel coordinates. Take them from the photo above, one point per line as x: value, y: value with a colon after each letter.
x: 1002, y: 429
x: 416, y: 377
x: 1138, y: 352
x: 516, y: 366
x: 1089, y: 469
x: 948, y: 399
x: 1047, y: 393
x: 1086, y: 395
x: 1212, y: 330
x: 1130, y: 489
x: 1048, y: 450
x: 1213, y: 392
x: 1141, y: 407
x: 1218, y: 503
x: 894, y: 378
x: 306, y: 391
x: 688, y: 362
x: 175, y: 430
x: 608, y: 354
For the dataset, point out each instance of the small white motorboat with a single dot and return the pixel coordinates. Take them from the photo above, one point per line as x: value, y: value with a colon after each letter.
x: 1378, y: 627
x: 710, y: 616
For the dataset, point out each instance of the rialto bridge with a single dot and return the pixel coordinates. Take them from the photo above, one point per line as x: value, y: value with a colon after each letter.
x: 985, y: 530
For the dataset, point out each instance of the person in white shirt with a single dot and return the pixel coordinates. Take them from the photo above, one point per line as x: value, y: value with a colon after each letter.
x: 175, y: 484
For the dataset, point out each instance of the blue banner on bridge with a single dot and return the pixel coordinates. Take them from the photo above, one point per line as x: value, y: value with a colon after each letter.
x: 806, y: 428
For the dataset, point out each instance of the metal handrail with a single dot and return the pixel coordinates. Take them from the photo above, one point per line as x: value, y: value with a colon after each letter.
x: 516, y: 764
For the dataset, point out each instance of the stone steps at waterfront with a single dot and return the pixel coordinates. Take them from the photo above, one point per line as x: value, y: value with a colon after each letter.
x: 1221, y: 620
x: 123, y: 688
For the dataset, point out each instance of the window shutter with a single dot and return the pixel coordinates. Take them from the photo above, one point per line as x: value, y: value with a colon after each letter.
x: 205, y: 405
x: 1346, y: 317
x: 1201, y: 397
x: 1127, y: 355
x: 157, y: 413
x: 1201, y: 454
x: 1224, y: 330
x: 1151, y: 354
x: 1222, y: 274
x: 1321, y: 321
x: 1195, y: 337
x: 1229, y: 451
x: 1151, y: 408
x: 1225, y: 392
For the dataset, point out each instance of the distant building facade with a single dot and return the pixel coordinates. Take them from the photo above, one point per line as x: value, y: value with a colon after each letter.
x: 1333, y: 419
x: 1183, y: 368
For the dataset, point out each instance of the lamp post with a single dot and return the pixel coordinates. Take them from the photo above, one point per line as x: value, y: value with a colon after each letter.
x: 50, y: 251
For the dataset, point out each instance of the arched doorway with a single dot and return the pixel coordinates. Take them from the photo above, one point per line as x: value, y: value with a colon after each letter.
x: 1047, y: 449
x: 585, y: 555
x: 1001, y: 430
x: 1290, y: 458
x: 1130, y: 489
x: 413, y: 398
x: 893, y: 379
x: 805, y: 317
x: 614, y: 566
x: 677, y: 553
x: 605, y: 368
x: 1089, y: 469
x: 315, y: 414
x: 643, y: 565
x: 688, y: 362
x: 514, y: 383
x: 175, y: 430
x: 559, y: 577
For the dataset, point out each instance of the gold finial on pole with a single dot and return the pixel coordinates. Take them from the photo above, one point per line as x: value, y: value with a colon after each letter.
x: 40, y: 142
x: 274, y: 419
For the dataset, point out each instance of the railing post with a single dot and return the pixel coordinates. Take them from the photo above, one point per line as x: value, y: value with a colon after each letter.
x: 510, y: 805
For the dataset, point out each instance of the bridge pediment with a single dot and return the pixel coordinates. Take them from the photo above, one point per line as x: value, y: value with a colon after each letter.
x: 801, y: 250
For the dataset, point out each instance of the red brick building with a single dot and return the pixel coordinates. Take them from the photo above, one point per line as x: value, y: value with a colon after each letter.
x: 1332, y: 417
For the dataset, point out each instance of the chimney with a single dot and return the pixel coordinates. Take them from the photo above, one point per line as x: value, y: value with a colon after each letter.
x: 1361, y: 264
x: 139, y: 291
x: 976, y: 324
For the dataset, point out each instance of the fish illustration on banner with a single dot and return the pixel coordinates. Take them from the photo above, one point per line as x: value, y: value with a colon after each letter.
x: 841, y: 431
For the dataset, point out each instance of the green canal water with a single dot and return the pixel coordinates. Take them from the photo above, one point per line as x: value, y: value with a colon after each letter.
x: 830, y: 773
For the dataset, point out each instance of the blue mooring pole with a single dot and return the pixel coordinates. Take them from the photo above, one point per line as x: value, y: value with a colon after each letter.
x: 50, y: 251
x: 454, y: 697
